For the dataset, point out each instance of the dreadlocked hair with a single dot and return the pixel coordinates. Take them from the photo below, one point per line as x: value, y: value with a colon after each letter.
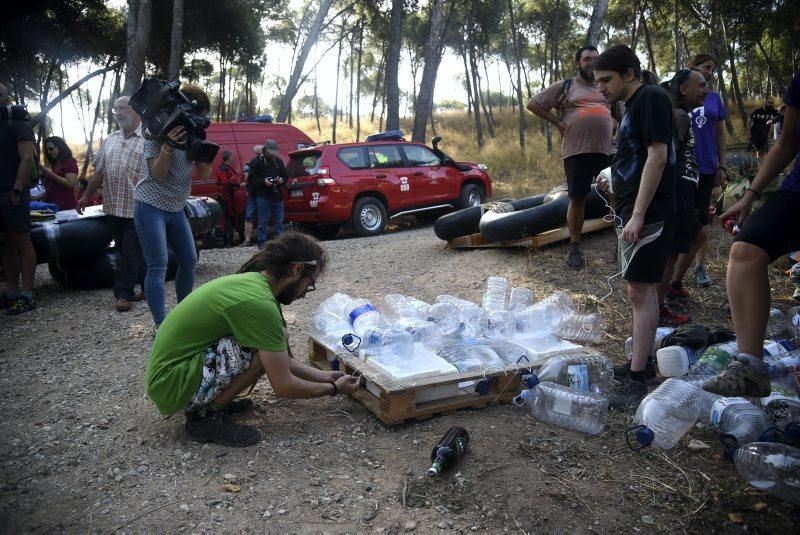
x: 289, y: 248
x: 620, y: 58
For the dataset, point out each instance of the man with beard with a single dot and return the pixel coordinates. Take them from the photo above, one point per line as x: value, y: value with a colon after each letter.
x: 760, y: 122
x: 117, y: 169
x: 588, y: 147
x: 229, y: 332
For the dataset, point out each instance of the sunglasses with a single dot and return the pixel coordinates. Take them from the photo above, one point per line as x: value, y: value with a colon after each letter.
x: 313, y: 286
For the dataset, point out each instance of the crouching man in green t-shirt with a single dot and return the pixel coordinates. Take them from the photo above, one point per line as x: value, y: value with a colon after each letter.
x: 229, y: 332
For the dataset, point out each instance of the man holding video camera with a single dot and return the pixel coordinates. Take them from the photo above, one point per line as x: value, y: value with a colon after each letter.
x: 266, y: 178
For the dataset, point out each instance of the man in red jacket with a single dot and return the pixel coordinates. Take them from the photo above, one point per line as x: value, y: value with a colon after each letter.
x: 228, y: 181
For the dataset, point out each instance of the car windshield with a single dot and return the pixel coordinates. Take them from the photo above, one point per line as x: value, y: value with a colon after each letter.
x: 302, y: 165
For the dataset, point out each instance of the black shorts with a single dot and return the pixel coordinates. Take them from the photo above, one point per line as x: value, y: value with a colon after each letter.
x: 759, y: 140
x: 775, y: 227
x: 702, y: 197
x: 581, y: 170
x: 687, y: 222
x: 15, y: 218
x: 645, y: 260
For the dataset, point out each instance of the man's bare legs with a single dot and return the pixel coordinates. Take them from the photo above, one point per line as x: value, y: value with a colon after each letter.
x: 748, y: 292
x: 241, y: 382
x: 19, y: 257
x: 575, y: 217
x: 644, y: 300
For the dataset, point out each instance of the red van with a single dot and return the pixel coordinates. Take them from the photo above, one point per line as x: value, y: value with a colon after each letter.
x: 240, y: 138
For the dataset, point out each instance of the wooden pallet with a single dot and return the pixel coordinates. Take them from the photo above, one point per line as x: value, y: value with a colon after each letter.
x: 395, y: 403
x: 478, y: 241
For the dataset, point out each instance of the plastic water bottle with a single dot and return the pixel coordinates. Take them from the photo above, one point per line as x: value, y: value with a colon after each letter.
x: 661, y: 333
x: 776, y: 324
x: 395, y: 308
x: 771, y: 467
x: 468, y: 314
x: 792, y: 323
x: 588, y: 373
x: 328, y: 328
x: 785, y: 415
x: 707, y: 399
x: 665, y: 414
x: 495, y: 294
x: 786, y: 371
x: 775, y: 349
x: 713, y: 360
x: 541, y: 318
x: 674, y: 361
x: 386, y: 345
x: 421, y: 306
x: 470, y: 358
x: 362, y: 315
x: 519, y: 298
x: 497, y: 324
x: 565, y: 407
x: 336, y: 303
x: 739, y: 419
x: 509, y: 352
x: 580, y: 328
x: 445, y: 317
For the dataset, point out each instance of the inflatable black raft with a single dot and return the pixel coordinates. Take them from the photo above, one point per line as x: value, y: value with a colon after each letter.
x: 506, y: 223
x: 465, y: 222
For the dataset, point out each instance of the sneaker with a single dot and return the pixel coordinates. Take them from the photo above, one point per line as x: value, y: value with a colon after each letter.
x: 575, y: 258
x: 676, y: 295
x: 21, y: 304
x: 218, y: 427
x: 668, y: 318
x: 629, y: 395
x: 701, y: 277
x: 622, y: 371
x: 739, y: 379
x: 239, y: 406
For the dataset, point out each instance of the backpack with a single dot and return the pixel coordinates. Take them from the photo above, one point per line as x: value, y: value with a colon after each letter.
x: 562, y: 99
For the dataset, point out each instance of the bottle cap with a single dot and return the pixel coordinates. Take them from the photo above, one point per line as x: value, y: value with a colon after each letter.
x: 482, y: 387
x: 532, y: 381
x: 645, y: 436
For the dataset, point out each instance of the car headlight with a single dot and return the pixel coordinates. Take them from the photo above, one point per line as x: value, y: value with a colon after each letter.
x: 483, y: 166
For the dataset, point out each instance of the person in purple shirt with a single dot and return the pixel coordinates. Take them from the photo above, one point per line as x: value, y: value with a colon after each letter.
x: 771, y: 232
x: 711, y: 138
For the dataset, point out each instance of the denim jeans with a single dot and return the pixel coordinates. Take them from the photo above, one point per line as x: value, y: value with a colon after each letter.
x: 265, y: 207
x: 158, y: 230
x: 130, y: 263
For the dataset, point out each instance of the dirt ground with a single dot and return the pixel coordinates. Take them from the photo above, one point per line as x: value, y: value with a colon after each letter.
x: 85, y: 451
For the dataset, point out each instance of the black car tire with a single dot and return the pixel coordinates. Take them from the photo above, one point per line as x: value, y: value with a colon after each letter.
x: 369, y: 217
x: 471, y: 195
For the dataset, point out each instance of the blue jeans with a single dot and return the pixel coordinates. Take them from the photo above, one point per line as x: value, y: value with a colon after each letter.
x: 250, y: 210
x: 265, y: 207
x: 157, y: 230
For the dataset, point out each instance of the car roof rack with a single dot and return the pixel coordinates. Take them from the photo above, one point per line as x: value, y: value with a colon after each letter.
x: 389, y: 135
x: 257, y: 119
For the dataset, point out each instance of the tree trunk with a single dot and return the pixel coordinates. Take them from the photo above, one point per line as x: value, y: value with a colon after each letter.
x: 175, y: 54
x: 358, y: 78
x: 138, y: 33
x: 476, y: 99
x: 596, y: 22
x: 392, y: 67
x: 115, y: 94
x: 488, y: 91
x: 734, y: 76
x: 648, y: 40
x: 316, y: 107
x: 677, y: 37
x: 297, y: 71
x: 90, y: 144
x: 336, y: 97
x: 423, y: 106
x: 520, y: 106
x: 350, y: 97
x: 467, y: 83
x: 377, y: 86
x: 553, y: 60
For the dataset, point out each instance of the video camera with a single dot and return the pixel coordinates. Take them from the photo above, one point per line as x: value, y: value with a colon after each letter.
x: 162, y: 106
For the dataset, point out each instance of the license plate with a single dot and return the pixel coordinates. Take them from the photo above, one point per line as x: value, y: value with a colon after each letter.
x: 295, y: 193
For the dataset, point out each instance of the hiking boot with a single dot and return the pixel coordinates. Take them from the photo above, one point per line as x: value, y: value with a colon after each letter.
x: 622, y: 371
x: 218, y: 427
x: 21, y: 304
x: 239, y: 406
x: 701, y: 278
x: 628, y: 396
x: 575, y: 257
x: 123, y: 305
x: 739, y: 379
x: 676, y: 294
x: 668, y: 318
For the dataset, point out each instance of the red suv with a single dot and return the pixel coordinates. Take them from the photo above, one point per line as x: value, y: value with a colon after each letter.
x: 367, y: 183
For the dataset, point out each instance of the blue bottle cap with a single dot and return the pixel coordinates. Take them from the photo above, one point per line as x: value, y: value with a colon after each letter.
x: 645, y: 436
x: 347, y: 339
x: 532, y: 381
x: 482, y: 387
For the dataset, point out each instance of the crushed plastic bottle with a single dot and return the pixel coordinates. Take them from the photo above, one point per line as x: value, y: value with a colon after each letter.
x: 713, y: 360
x: 738, y: 421
x: 497, y: 324
x: 563, y: 406
x: 776, y: 324
x: 793, y: 323
x: 773, y: 468
x: 396, y: 309
x: 519, y: 298
x: 496, y: 294
x: 589, y: 373
x: 581, y: 328
x: 785, y: 415
x: 468, y: 314
x: 327, y: 327
x: 386, y: 345
x: 661, y: 333
x: 665, y: 415
x: 775, y: 349
x: 510, y: 352
x: 786, y: 370
x: 445, y: 317
x: 470, y: 358
x: 336, y: 303
x: 362, y: 315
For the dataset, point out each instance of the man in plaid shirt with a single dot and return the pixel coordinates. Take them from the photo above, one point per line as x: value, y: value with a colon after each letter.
x: 117, y: 169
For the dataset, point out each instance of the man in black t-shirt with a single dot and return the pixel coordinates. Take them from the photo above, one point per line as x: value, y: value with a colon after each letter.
x: 643, y: 182
x: 760, y: 122
x: 266, y: 179
x: 16, y: 166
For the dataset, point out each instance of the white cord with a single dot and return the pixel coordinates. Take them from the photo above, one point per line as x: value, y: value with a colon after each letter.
x: 613, y: 218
